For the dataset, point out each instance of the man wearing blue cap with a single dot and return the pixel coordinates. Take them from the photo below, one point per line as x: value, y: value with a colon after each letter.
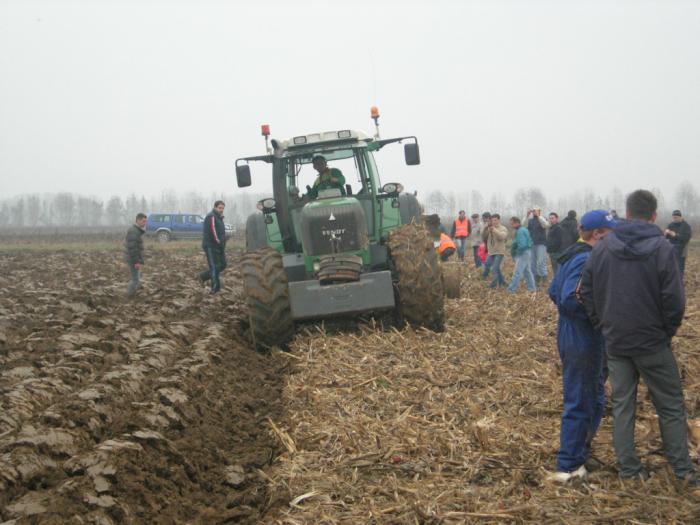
x: 632, y: 290
x: 581, y: 349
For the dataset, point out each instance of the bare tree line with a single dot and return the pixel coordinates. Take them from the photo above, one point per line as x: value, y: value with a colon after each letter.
x: 447, y: 204
x: 68, y: 209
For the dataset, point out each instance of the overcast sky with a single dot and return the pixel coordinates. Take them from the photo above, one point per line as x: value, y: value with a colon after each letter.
x: 106, y: 98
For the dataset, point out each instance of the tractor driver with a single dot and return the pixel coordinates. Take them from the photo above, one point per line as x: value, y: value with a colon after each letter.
x: 327, y: 177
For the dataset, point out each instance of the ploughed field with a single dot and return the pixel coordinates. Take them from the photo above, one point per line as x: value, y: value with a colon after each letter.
x: 157, y: 410
x: 113, y: 411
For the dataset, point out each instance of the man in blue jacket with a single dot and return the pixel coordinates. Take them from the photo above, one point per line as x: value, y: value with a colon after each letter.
x: 521, y: 251
x: 632, y: 290
x: 582, y: 352
x: 214, y: 245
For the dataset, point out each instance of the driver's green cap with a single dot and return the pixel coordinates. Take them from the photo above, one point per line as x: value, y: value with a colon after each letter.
x: 318, y: 157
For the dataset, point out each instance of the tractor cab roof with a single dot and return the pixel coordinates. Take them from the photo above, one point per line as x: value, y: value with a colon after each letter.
x: 324, y: 138
x: 321, y: 143
x: 332, y: 144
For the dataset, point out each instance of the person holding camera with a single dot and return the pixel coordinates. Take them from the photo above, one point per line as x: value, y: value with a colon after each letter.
x: 495, y: 235
x: 678, y: 234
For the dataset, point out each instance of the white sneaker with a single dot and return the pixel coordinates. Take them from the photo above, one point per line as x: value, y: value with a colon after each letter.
x: 564, y: 477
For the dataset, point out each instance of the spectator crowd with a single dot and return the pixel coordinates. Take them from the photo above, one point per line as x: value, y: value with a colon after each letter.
x: 618, y: 288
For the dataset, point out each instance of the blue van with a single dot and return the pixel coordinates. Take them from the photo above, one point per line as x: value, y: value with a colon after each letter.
x: 172, y: 226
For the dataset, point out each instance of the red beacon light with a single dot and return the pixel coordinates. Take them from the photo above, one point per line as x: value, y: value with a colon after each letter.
x: 265, y: 129
x: 374, y: 113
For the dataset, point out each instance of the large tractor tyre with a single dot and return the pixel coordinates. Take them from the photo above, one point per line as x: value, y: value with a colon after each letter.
x: 452, y: 279
x: 409, y: 208
x: 266, y: 291
x: 418, y: 277
x: 255, y: 232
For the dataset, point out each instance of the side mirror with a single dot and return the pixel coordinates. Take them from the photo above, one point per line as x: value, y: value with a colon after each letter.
x: 243, y: 176
x: 411, y: 154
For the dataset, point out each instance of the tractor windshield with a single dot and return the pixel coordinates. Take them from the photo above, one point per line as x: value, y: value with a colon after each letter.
x: 355, y: 164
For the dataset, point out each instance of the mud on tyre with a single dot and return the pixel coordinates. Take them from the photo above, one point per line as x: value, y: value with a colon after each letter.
x: 417, y: 276
x: 267, y: 298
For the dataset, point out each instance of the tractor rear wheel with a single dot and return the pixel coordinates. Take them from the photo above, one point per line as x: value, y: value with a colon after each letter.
x: 266, y: 292
x: 418, y: 277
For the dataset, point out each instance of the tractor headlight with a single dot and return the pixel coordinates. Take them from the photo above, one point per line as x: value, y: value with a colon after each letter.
x: 317, y: 266
x: 266, y: 204
x: 392, y: 187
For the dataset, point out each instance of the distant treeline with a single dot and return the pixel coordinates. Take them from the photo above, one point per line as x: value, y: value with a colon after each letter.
x: 70, y: 210
x: 448, y: 203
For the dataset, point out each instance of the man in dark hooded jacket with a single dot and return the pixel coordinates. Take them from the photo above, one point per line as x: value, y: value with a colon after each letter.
x: 581, y: 349
x: 133, y: 252
x: 632, y: 290
x: 569, y: 233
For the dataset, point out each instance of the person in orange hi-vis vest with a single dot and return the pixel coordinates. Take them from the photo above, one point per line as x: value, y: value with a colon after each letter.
x: 461, y: 229
x: 446, y: 248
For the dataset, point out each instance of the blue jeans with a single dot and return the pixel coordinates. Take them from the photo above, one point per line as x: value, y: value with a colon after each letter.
x: 522, y: 268
x: 477, y: 259
x: 487, y: 267
x: 133, y: 282
x: 583, y: 376
x: 461, y: 243
x: 493, y: 262
x: 539, y: 260
x: 216, y: 258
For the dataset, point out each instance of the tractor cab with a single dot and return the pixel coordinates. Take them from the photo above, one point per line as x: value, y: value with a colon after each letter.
x: 350, y: 217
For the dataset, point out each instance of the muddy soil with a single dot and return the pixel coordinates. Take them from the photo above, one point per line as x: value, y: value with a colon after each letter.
x: 153, y: 410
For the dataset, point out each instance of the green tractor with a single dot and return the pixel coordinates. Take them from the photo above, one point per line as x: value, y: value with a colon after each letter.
x: 335, y: 251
